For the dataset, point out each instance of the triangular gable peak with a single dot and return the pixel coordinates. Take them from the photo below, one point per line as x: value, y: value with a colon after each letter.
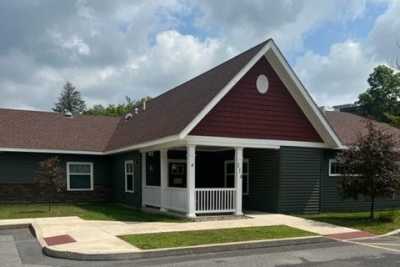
x: 244, y: 112
x: 286, y: 112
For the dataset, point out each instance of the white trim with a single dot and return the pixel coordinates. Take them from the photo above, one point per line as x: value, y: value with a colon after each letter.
x: 156, y: 142
x: 226, y: 162
x: 224, y: 91
x: 328, y: 135
x: 191, y: 180
x: 69, y: 173
x: 177, y: 161
x: 249, y: 143
x: 331, y: 161
x: 321, y: 121
x: 126, y: 176
x: 52, y: 151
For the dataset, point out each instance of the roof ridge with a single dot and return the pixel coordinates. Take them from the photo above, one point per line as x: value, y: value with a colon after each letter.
x: 211, y: 69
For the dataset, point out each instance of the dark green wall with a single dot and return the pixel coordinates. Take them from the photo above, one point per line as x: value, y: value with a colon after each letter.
x: 332, y: 201
x: 21, y: 168
x: 263, y: 180
x: 299, y: 180
x: 118, y: 180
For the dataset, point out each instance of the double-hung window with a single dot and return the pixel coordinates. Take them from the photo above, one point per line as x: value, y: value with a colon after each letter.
x: 79, y: 176
x: 129, y: 177
x: 230, y: 175
x: 335, y: 168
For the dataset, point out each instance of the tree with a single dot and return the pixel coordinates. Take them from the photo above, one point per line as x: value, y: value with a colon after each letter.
x: 50, y: 178
x: 381, y: 100
x: 70, y: 100
x: 116, y: 110
x: 369, y: 167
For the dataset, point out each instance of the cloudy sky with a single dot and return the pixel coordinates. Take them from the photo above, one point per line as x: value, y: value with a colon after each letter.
x: 112, y: 49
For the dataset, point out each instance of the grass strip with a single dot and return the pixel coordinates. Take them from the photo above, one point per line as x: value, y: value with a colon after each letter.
x: 202, y: 237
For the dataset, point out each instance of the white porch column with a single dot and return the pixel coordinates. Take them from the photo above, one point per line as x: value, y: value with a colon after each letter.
x: 163, y: 176
x: 238, y: 179
x: 191, y: 180
x: 143, y: 176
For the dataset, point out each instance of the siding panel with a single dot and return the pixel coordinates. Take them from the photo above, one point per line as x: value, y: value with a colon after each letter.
x: 118, y: 171
x: 299, y: 180
x: 263, y: 176
x: 244, y: 113
x: 332, y: 201
x: 18, y: 171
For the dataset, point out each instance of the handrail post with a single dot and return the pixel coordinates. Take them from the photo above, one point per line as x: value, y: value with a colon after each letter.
x: 238, y: 180
x: 191, y: 180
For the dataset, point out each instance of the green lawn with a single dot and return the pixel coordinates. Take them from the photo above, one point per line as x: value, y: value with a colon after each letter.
x: 384, y: 222
x: 87, y: 211
x: 193, y: 238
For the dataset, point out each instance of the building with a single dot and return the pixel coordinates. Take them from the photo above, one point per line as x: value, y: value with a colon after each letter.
x: 245, y: 135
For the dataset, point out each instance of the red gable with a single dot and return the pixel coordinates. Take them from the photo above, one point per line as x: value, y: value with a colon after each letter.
x: 245, y: 113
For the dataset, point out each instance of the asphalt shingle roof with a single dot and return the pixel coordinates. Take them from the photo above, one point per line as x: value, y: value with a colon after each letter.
x: 49, y: 130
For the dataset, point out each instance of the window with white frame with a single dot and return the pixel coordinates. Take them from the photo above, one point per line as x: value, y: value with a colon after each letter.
x: 129, y: 177
x: 335, y: 169
x: 230, y: 175
x: 176, y: 173
x: 79, y: 176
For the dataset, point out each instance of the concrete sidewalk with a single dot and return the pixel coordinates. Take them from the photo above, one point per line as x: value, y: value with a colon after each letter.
x: 93, y: 237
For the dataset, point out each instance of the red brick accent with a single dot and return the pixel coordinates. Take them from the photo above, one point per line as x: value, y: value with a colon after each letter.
x: 350, y: 235
x: 245, y: 113
x: 59, y: 240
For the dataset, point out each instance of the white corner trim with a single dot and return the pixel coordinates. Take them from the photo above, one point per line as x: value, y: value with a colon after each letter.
x: 305, y: 95
x: 69, y: 173
x: 156, y: 142
x: 249, y: 143
x: 51, y: 151
x: 224, y: 91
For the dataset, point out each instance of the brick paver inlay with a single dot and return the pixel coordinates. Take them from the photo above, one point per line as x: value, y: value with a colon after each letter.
x: 59, y: 240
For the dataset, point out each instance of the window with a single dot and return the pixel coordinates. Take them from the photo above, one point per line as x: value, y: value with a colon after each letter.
x: 79, y: 176
x: 230, y: 174
x: 153, y: 175
x: 334, y: 168
x: 177, y: 173
x: 129, y: 177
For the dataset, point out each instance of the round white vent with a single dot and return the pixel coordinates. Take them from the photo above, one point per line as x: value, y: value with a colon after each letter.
x: 262, y: 84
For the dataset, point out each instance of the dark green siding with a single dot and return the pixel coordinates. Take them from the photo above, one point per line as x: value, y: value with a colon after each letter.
x: 118, y: 174
x: 332, y: 201
x: 263, y: 180
x: 299, y: 180
x: 21, y: 168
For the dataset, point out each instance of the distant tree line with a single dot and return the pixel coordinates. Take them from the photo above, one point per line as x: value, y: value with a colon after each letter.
x: 70, y: 100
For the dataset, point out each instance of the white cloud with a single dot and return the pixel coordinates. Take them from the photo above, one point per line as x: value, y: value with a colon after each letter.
x: 113, y: 49
x: 384, y: 38
x: 248, y: 22
x: 340, y: 76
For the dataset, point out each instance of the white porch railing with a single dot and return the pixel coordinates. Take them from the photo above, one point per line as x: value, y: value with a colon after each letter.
x: 152, y: 196
x: 215, y: 200
x: 175, y: 199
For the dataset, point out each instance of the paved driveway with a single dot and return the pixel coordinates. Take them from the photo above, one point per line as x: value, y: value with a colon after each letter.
x: 18, y: 248
x: 389, y: 243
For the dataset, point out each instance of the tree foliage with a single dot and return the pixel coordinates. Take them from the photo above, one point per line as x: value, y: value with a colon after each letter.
x: 116, y: 110
x: 381, y: 101
x: 50, y: 178
x: 369, y: 167
x: 70, y: 100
